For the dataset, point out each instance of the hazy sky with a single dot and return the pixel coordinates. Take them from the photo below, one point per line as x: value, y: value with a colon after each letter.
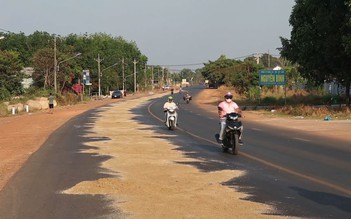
x: 168, y: 32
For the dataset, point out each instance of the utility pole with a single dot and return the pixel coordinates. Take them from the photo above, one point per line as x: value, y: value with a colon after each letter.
x: 135, y: 62
x: 145, y: 76
x: 123, y: 75
x: 117, y: 77
x: 167, y: 78
x: 158, y: 77
x: 55, y: 66
x: 163, y: 76
x: 257, y: 58
x: 99, y: 73
x: 152, y: 76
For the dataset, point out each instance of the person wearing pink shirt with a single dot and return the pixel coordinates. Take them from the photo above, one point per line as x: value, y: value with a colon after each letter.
x: 225, y: 107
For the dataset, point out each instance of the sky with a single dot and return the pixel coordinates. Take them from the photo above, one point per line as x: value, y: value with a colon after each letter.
x: 172, y: 33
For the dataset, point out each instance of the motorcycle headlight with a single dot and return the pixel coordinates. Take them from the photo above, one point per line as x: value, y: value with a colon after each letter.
x: 229, y: 128
x: 233, y: 117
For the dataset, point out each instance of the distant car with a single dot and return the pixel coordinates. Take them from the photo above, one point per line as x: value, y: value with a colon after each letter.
x: 117, y: 94
x: 167, y: 87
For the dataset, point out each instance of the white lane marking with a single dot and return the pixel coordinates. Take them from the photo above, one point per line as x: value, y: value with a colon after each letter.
x: 256, y: 129
x: 295, y: 173
x: 302, y: 139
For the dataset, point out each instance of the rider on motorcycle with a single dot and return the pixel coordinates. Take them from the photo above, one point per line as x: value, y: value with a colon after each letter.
x: 169, y: 104
x: 186, y: 96
x: 225, y: 107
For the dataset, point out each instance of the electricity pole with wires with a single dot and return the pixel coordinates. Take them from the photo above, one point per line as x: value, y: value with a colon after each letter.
x: 55, y: 66
x: 123, y: 82
x: 135, y: 62
x: 99, y: 74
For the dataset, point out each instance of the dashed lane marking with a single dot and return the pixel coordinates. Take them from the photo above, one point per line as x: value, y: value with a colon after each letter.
x: 276, y: 166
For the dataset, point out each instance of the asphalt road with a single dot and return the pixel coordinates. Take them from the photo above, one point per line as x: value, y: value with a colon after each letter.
x: 34, y: 191
x: 300, y: 174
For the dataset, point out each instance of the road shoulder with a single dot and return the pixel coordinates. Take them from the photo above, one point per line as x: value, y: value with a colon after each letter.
x: 336, y: 129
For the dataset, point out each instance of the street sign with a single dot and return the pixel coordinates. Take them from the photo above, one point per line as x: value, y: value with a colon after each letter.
x: 86, y: 77
x: 272, y: 77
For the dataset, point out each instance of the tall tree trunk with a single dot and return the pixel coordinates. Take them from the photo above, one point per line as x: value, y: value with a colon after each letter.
x: 63, y: 87
x: 348, y: 97
x: 46, y: 78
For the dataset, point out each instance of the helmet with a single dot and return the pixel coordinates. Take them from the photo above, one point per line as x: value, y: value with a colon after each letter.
x: 170, y: 98
x: 228, y: 95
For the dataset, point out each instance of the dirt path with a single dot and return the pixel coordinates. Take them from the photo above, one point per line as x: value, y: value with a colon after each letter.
x: 162, y: 188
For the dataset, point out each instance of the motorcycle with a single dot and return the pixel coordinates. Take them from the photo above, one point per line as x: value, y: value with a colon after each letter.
x: 187, y: 98
x: 232, y: 133
x: 171, y: 118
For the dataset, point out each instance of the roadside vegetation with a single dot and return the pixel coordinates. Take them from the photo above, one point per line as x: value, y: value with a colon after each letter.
x: 318, y: 52
x: 313, y: 104
x: 34, y: 94
x: 56, y: 66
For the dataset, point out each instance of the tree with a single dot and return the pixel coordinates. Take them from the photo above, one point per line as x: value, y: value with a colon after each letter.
x: 212, y: 70
x: 43, y: 61
x: 317, y: 43
x: 111, y: 50
x: 187, y: 74
x: 268, y: 61
x: 198, y: 77
x: 38, y: 40
x: 18, y: 43
x: 231, y: 72
x: 10, y: 72
x: 37, y: 50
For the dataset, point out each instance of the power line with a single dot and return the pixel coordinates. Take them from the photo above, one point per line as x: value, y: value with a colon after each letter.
x: 3, y: 30
x: 174, y: 65
x: 199, y: 63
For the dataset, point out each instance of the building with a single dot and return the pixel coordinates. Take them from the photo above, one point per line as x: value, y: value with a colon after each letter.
x: 27, y: 80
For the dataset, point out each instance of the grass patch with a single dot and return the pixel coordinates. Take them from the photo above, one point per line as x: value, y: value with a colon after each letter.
x: 312, y: 104
x: 3, y: 110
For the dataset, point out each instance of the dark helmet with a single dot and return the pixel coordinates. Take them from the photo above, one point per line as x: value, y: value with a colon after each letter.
x: 228, y: 95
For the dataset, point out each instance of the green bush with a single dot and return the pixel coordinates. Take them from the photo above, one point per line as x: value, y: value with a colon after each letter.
x: 67, y: 99
x: 33, y: 92
x: 253, y: 93
x: 4, y: 94
x: 269, y: 101
x: 3, y: 110
x: 297, y: 111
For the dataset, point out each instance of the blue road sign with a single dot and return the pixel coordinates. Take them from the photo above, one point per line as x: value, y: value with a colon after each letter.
x: 272, y: 77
